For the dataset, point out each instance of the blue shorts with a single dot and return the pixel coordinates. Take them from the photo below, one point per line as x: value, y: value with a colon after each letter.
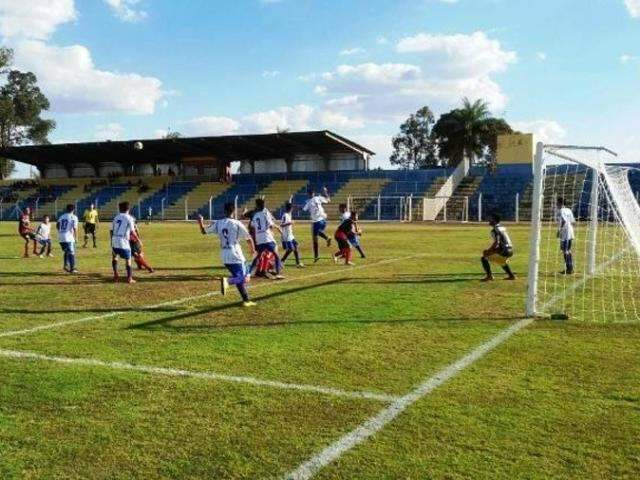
x: 122, y: 253
x: 354, y: 239
x: 44, y: 242
x: 267, y: 247
x: 68, y: 247
x: 290, y: 244
x: 565, y: 245
x: 238, y: 270
x: 319, y: 227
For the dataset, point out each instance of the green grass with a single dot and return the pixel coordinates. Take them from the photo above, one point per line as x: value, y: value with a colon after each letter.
x: 557, y: 400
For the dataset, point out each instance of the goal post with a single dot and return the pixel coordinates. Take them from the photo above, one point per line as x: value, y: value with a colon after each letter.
x: 589, y: 270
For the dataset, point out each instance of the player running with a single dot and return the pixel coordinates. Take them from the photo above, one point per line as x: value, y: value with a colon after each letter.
x: 67, y: 226
x: 137, y: 252
x: 43, y: 236
x: 500, y: 251
x: 289, y: 242
x: 263, y: 224
x: 230, y: 232
x: 26, y: 232
x: 356, y: 232
x: 566, y: 234
x: 318, y: 217
x: 90, y: 218
x: 123, y: 228
x: 342, y: 236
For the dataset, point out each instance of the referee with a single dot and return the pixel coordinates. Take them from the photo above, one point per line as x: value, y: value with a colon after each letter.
x: 90, y: 218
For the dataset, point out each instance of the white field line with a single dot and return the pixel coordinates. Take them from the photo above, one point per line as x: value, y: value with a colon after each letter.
x: 385, y: 416
x: 172, y: 372
x: 14, y: 333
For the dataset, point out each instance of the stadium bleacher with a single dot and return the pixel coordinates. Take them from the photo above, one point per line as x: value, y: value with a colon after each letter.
x: 179, y: 197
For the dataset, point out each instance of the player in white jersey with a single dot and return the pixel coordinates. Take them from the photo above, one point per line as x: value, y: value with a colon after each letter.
x: 566, y: 234
x: 43, y: 236
x: 67, y: 226
x: 230, y: 232
x: 318, y: 218
x: 263, y: 224
x: 500, y: 251
x: 289, y: 242
x: 123, y: 228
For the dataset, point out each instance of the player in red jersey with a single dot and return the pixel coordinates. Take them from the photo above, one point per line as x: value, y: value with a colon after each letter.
x: 137, y: 252
x: 26, y: 232
x: 342, y: 237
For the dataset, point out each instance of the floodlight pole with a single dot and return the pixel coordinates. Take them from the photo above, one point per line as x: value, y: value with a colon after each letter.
x: 536, y: 225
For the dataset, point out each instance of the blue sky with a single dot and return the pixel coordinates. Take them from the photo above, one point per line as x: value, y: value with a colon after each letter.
x: 567, y: 70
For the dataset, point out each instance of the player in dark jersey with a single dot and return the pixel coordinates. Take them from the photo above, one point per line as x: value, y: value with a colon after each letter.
x: 500, y: 251
x: 136, y: 251
x: 26, y: 232
x: 342, y: 237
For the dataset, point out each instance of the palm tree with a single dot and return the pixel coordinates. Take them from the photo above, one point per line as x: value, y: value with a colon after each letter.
x: 467, y: 131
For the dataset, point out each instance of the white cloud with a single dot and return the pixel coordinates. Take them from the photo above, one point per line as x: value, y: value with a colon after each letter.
x: 270, y: 74
x: 67, y: 74
x: 626, y: 58
x: 547, y: 131
x: 633, y: 6
x: 446, y: 68
x: 382, y: 40
x: 69, y: 78
x: 210, y: 125
x: 110, y: 131
x: 126, y: 10
x: 352, y: 51
x: 459, y: 55
x: 542, y: 56
x: 297, y: 117
x: 36, y: 19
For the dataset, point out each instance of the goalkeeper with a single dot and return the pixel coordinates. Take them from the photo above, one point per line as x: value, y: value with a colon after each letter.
x: 500, y: 251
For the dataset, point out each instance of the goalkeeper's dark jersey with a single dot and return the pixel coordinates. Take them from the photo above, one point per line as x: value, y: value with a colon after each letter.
x: 501, y: 237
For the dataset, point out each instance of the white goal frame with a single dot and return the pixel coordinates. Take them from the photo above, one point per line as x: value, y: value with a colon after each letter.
x: 596, y: 170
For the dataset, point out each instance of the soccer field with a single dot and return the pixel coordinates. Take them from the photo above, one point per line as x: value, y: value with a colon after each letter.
x: 404, y: 366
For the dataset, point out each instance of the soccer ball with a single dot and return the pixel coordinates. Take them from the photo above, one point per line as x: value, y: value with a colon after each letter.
x: 138, y: 146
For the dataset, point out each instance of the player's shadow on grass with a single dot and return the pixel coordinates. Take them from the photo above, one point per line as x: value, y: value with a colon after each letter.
x: 180, y: 269
x: 165, y: 322
x: 96, y: 278
x: 402, y: 279
x: 24, y: 311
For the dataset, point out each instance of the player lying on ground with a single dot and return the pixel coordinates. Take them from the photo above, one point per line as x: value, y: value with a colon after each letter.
x: 43, y: 235
x: 123, y: 228
x: 289, y: 242
x: 263, y: 224
x: 318, y: 217
x: 90, y: 218
x: 26, y: 232
x: 230, y: 232
x: 67, y: 226
x: 342, y: 237
x: 136, y: 250
x: 500, y: 251
x: 566, y: 221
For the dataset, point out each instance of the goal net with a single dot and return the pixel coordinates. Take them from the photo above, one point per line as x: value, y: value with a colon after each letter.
x: 590, y: 269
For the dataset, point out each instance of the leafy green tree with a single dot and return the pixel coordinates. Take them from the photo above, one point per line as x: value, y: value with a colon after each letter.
x: 413, y: 147
x: 21, y: 106
x: 469, y: 131
x: 171, y: 135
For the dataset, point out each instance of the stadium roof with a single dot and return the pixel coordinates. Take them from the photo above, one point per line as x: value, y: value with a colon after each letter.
x: 226, y: 148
